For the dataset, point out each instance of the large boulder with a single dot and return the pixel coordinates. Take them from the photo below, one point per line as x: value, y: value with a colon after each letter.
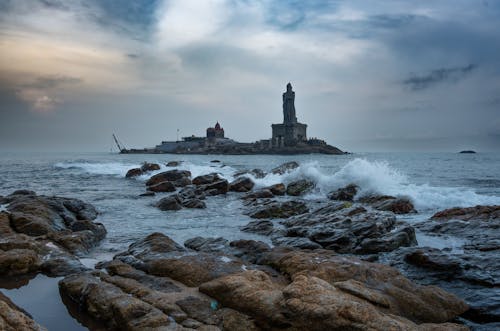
x: 13, y: 318
x: 168, y: 176
x: 241, y: 184
x: 162, y: 187
x: 344, y: 194
x: 134, y: 173
x: 389, y: 203
x: 206, y: 179
x: 218, y: 187
x: 146, y: 166
x: 277, y: 189
x: 284, y: 168
x: 299, y: 187
x: 280, y: 210
x: 171, y: 202
x: 478, y: 213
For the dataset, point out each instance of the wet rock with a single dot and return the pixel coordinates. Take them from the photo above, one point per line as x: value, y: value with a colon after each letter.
x: 299, y: 187
x: 18, y: 262
x: 168, y: 176
x: 147, y: 194
x: 171, y: 202
x: 280, y: 210
x: 284, y: 168
x: 347, y: 228
x: 242, y: 184
x: 185, y: 181
x: 150, y: 167
x: 217, y: 187
x: 193, y: 203
x: 206, y: 244
x: 215, y: 161
x: 477, y: 213
x: 260, y: 194
x: 344, y: 194
x: 433, y: 259
x: 173, y: 163
x: 297, y: 242
x: 277, y: 189
x: 249, y: 250
x: 13, y: 318
x: 134, y: 173
x: 192, y: 192
x: 389, y: 203
x: 257, y: 173
x: 162, y: 187
x: 206, y: 179
x: 263, y: 227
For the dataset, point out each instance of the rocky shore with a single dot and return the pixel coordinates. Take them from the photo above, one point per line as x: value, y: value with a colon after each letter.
x: 344, y: 262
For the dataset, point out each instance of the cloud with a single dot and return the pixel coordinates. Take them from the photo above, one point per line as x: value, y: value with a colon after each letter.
x: 421, y: 82
x: 53, y: 81
x: 39, y: 100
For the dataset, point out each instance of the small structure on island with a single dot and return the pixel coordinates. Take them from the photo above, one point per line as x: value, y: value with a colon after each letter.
x: 216, y: 132
x: 290, y: 132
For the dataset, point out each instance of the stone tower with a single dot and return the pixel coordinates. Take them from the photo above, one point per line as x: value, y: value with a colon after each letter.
x: 290, y: 132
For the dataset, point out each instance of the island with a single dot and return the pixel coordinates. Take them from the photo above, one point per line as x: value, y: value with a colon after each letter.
x: 288, y: 138
x: 467, y: 152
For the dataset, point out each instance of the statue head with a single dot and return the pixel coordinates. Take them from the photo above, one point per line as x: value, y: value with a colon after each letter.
x: 288, y: 87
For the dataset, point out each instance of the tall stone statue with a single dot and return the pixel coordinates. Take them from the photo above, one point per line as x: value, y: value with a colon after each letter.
x: 289, y: 105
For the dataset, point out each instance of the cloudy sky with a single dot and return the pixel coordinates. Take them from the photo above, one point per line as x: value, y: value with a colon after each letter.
x: 369, y: 75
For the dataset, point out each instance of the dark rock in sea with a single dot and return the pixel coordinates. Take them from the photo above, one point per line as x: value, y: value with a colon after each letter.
x: 43, y: 234
x: 344, y: 194
x: 168, y: 176
x: 217, y: 187
x: 401, y: 238
x: 299, y: 187
x: 157, y: 284
x: 150, y: 166
x: 467, y: 152
x: 257, y: 173
x: 277, y: 189
x: 259, y: 194
x: 193, y: 203
x: 477, y: 213
x: 173, y: 163
x: 284, y: 168
x: 390, y: 203
x: 264, y: 227
x: 134, y: 173
x: 192, y: 192
x: 147, y: 194
x: 171, y: 202
x: 215, y: 161
x: 206, y: 179
x: 13, y: 318
x: 280, y: 210
x: 206, y: 244
x: 162, y: 187
x: 296, y: 242
x: 241, y: 184
x: 184, y: 181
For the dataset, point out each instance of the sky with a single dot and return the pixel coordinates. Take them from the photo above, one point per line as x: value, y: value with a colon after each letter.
x: 368, y: 75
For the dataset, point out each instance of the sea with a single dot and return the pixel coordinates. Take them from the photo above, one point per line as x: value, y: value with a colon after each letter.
x: 433, y: 182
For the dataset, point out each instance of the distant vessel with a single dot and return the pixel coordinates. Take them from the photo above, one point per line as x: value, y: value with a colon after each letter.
x: 288, y: 138
x: 467, y: 152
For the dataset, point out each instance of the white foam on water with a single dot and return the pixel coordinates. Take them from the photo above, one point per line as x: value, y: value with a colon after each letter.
x: 109, y: 168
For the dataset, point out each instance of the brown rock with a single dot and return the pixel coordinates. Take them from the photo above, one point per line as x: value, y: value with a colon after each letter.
x: 206, y: 179
x: 18, y: 262
x: 150, y: 166
x: 285, y: 167
x: 134, y: 173
x: 168, y: 176
x: 344, y: 194
x: 169, y: 203
x: 162, y: 187
x: 280, y: 210
x: 241, y: 184
x: 13, y: 318
x: 476, y: 213
x: 299, y: 187
x: 277, y: 189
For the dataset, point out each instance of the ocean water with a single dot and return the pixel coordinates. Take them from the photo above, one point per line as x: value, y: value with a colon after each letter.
x: 433, y: 182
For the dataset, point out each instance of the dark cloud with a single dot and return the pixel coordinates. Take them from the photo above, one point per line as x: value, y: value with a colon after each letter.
x: 421, y: 82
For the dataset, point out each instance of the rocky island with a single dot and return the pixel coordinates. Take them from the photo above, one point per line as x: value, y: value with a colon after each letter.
x: 288, y: 138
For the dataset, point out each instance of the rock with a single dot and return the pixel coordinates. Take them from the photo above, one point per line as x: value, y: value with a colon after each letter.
x: 257, y: 173
x: 297, y: 242
x: 402, y: 238
x: 150, y: 166
x: 241, y: 184
x: 193, y: 203
x: 18, y: 262
x: 285, y: 167
x: 397, y: 206
x: 299, y: 187
x: 280, y: 210
x: 260, y: 194
x: 344, y: 194
x: 263, y: 227
x: 168, y: 176
x: 134, y: 173
x: 169, y: 203
x: 173, y: 163
x: 347, y: 228
x: 185, y: 181
x: 206, y: 179
x: 277, y: 189
x: 147, y: 194
x: 430, y: 260
x: 215, y: 161
x: 192, y: 192
x: 483, y: 213
x: 206, y: 244
x: 162, y: 187
x: 217, y: 187
x: 13, y: 318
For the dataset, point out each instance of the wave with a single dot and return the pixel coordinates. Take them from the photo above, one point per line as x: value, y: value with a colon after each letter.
x: 372, y: 177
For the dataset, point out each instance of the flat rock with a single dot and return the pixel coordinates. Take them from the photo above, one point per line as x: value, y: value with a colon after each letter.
x: 162, y: 187
x: 299, y: 187
x: 280, y: 210
x: 241, y: 184
x: 168, y: 176
x: 13, y: 318
x: 134, y: 173
x: 344, y: 194
x: 284, y: 168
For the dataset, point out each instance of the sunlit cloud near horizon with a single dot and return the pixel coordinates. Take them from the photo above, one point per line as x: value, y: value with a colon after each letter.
x: 368, y: 75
